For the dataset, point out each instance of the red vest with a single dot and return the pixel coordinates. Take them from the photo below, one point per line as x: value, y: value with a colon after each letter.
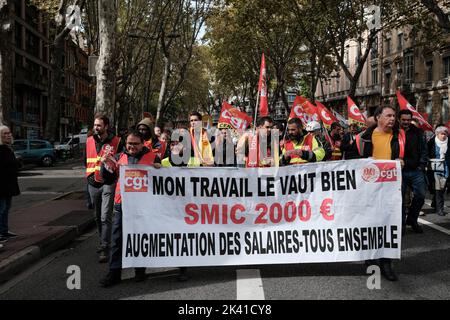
x: 147, y: 159
x: 93, y: 158
x: 337, y: 154
x: 160, y: 152
x: 307, y: 146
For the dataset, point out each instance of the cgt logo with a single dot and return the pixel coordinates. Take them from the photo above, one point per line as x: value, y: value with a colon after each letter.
x: 380, y: 172
x: 136, y: 181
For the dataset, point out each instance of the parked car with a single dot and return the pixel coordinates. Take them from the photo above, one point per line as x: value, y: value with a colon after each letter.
x: 19, y: 160
x: 68, y: 144
x: 35, y: 151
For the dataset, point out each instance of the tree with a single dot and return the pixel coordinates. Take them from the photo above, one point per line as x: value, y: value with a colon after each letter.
x: 179, y: 32
x: 106, y: 73
x: 435, y: 8
x: 243, y: 31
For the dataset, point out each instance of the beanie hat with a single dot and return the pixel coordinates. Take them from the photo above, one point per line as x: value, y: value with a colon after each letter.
x: 146, y: 122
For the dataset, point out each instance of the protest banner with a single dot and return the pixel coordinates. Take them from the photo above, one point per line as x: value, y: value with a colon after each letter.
x: 319, y: 212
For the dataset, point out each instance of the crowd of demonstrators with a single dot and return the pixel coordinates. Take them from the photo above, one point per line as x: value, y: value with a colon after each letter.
x: 387, y: 136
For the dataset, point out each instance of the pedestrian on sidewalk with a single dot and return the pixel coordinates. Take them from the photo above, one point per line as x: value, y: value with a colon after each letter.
x: 439, y: 154
x: 9, y: 184
x: 101, y: 143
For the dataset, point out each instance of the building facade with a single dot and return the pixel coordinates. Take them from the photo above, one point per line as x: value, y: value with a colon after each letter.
x: 27, y: 105
x: 395, y: 62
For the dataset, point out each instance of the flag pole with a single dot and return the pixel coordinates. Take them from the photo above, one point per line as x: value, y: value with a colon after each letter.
x: 256, y: 111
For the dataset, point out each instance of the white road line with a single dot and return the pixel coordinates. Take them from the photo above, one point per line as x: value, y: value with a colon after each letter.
x: 434, y: 226
x: 249, y: 285
x: 32, y: 193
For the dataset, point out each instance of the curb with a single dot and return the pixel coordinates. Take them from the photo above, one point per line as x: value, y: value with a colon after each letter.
x: 23, y: 259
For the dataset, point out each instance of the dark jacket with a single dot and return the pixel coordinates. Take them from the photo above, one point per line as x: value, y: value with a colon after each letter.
x: 416, y: 155
x: 9, y: 171
x: 367, y: 145
x: 348, y: 152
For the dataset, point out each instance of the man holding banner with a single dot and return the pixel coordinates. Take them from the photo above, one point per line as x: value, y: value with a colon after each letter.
x: 301, y: 149
x: 384, y: 141
x: 135, y: 153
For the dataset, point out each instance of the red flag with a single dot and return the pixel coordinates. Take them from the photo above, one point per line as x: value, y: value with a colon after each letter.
x: 354, y: 114
x: 405, y: 105
x: 262, y: 89
x: 233, y: 118
x: 327, y: 117
x: 304, y: 110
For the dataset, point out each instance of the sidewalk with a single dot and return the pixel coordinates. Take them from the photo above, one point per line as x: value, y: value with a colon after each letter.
x: 43, y: 229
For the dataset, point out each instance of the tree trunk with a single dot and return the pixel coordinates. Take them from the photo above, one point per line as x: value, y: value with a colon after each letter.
x: 163, y: 90
x: 6, y: 72
x: 106, y: 73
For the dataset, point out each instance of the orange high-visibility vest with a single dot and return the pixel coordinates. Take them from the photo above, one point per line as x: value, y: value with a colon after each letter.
x: 147, y: 159
x: 160, y: 152
x: 93, y: 158
x: 306, y: 145
x: 336, y: 154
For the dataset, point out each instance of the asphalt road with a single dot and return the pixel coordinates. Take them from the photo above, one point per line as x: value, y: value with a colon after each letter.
x: 424, y: 269
x: 424, y: 272
x: 39, y: 184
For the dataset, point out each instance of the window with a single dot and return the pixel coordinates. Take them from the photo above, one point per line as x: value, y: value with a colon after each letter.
x: 18, y: 35
x: 444, y: 111
x: 374, y: 74
x: 374, y: 50
x: 429, y: 71
x: 37, y: 145
x: 429, y: 110
x: 20, y: 145
x: 388, y: 83
x: 400, y: 42
x: 409, y: 68
x: 388, y: 46
x: 32, y: 44
x: 446, y: 67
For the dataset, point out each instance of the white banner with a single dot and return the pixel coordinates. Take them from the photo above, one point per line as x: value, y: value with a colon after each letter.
x: 323, y: 212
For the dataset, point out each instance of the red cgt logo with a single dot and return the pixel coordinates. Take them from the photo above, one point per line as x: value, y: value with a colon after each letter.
x: 380, y: 172
x: 136, y: 181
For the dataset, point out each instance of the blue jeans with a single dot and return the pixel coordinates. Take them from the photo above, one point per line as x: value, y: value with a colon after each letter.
x: 5, y: 205
x: 416, y: 181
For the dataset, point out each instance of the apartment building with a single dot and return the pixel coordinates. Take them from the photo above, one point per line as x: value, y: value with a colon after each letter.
x: 396, y: 62
x: 30, y: 76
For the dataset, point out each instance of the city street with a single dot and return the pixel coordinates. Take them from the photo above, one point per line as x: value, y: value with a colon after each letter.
x: 39, y: 184
x: 424, y: 272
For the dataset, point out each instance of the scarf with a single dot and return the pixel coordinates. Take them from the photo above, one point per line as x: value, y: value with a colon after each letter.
x: 442, y: 145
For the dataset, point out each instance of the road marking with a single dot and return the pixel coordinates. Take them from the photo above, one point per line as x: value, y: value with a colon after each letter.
x: 32, y: 193
x: 53, y: 177
x: 249, y: 285
x: 434, y: 226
